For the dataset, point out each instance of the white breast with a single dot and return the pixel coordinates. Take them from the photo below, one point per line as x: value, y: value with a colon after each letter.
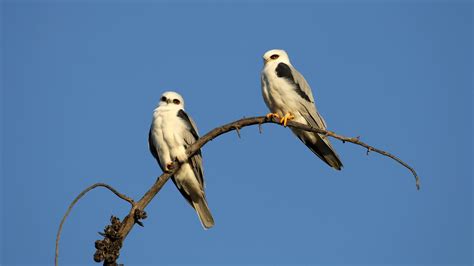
x: 167, y: 130
x: 278, y: 93
x: 167, y: 134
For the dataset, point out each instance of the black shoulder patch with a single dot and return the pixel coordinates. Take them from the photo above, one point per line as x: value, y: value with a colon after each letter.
x: 153, y: 151
x: 182, y: 114
x: 284, y: 71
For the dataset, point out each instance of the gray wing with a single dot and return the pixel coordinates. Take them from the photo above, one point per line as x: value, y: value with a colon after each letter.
x: 302, y: 88
x: 200, y: 203
x: 190, y: 136
x: 309, y: 110
x: 318, y: 143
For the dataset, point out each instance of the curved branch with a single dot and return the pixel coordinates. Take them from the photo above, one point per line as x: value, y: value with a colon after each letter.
x: 357, y: 141
x: 136, y: 212
x: 84, y: 192
x: 262, y: 120
x: 128, y: 222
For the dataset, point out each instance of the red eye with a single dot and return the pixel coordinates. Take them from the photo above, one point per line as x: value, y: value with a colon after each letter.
x: 274, y: 56
x: 176, y: 101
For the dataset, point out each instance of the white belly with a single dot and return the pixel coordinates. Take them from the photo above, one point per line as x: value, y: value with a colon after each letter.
x: 279, y: 95
x: 167, y: 131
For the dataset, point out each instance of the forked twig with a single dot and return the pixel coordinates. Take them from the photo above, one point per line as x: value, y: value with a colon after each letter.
x: 84, y: 192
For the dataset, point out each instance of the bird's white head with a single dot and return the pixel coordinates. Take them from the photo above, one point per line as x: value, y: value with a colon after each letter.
x: 171, y: 99
x: 276, y: 56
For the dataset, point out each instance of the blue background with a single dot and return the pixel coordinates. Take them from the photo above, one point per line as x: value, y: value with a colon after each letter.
x: 81, y: 79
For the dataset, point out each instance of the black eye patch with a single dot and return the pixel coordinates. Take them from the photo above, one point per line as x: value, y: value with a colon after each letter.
x: 163, y: 99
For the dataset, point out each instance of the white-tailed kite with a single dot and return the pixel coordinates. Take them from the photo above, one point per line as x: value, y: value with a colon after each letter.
x: 171, y: 132
x: 288, y: 96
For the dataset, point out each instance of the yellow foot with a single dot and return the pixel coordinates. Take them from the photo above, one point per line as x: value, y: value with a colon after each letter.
x: 169, y: 166
x: 284, y: 120
x: 272, y: 115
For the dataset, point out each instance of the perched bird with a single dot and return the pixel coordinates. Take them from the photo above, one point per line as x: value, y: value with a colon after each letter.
x: 289, y: 97
x: 171, y: 132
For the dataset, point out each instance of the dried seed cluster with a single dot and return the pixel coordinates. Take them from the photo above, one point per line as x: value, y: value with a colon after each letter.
x: 108, y: 249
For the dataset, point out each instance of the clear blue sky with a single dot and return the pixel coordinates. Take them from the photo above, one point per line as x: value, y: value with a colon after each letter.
x: 81, y: 79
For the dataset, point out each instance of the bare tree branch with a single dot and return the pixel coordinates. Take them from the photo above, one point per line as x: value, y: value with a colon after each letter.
x: 108, y: 249
x: 356, y: 140
x: 84, y: 192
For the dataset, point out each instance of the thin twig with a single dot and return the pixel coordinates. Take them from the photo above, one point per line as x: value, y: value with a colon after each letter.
x: 356, y: 140
x: 58, y: 235
x: 237, y: 129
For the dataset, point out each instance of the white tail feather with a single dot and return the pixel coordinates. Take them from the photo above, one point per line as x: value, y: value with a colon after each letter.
x: 204, y: 213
